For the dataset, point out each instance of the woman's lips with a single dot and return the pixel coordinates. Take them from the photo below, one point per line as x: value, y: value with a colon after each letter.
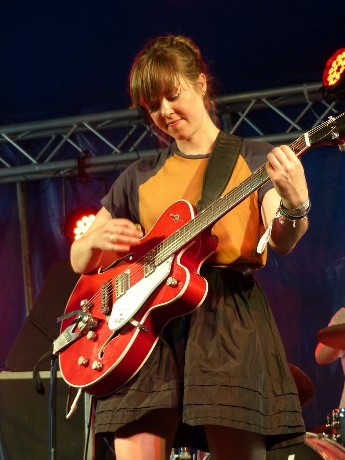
x: 174, y: 123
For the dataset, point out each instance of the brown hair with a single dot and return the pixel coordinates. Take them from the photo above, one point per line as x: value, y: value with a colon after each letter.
x: 157, y: 67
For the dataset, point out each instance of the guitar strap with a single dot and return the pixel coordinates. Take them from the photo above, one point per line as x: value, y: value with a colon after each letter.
x: 219, y: 167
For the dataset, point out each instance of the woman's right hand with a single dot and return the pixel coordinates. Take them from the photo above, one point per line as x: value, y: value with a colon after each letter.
x: 106, y: 239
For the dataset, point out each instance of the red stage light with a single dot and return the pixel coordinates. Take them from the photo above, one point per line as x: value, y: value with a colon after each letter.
x: 334, y: 70
x: 333, y: 79
x: 78, y: 222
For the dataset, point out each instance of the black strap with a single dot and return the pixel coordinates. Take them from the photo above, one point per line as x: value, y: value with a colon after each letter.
x: 219, y: 167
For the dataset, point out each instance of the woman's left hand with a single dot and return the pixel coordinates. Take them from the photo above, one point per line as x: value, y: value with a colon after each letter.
x: 287, y: 174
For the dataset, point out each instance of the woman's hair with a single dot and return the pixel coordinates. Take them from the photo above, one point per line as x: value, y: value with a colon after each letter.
x: 158, y: 66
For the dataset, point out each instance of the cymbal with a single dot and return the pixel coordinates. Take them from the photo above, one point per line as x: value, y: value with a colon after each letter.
x: 333, y: 336
x: 304, y: 385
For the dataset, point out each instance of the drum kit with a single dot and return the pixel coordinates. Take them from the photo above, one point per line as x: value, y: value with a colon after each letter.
x: 330, y: 444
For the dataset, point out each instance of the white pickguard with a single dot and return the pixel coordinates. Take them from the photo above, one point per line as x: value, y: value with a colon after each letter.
x: 127, y: 305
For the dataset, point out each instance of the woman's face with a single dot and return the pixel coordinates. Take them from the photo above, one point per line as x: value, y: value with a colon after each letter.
x: 181, y: 113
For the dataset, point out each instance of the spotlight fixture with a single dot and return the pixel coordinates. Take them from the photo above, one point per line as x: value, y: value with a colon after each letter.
x: 77, y: 222
x: 333, y: 79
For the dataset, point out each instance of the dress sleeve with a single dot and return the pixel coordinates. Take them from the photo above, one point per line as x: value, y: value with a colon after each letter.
x: 255, y: 154
x: 121, y: 200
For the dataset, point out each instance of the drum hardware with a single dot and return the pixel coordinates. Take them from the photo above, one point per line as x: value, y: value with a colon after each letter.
x: 335, y: 426
x: 185, y: 454
x: 188, y: 453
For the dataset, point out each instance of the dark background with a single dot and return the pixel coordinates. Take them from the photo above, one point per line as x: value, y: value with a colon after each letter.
x: 61, y: 58
x: 71, y: 58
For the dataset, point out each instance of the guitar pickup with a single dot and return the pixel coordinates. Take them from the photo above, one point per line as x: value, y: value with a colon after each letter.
x: 122, y: 283
x: 106, y: 297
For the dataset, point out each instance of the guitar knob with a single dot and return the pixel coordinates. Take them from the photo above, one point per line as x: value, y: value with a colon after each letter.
x: 82, y: 361
x: 97, y: 366
x: 171, y: 281
x: 91, y: 335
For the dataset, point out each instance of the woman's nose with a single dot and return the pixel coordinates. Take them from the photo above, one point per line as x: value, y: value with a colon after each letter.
x: 166, y: 108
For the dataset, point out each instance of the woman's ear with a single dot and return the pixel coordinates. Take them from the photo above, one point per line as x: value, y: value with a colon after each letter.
x: 202, y: 84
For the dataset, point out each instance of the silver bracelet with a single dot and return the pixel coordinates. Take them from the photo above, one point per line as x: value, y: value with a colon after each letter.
x: 295, y: 213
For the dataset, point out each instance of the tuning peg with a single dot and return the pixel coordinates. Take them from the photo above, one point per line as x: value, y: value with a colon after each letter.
x: 341, y: 146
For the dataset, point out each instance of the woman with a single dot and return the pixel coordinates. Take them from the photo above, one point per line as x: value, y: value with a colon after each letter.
x: 223, y: 367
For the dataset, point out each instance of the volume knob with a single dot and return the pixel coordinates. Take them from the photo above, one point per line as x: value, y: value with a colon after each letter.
x: 82, y: 361
x: 92, y: 335
x: 171, y: 281
x: 97, y: 366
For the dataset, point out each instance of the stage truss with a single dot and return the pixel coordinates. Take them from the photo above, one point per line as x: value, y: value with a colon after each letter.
x: 100, y: 142
x: 86, y: 145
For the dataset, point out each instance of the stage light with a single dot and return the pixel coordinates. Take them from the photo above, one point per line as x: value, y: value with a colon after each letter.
x: 333, y: 79
x: 77, y: 222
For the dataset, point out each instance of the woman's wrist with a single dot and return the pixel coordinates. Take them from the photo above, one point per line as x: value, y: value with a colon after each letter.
x: 296, y: 213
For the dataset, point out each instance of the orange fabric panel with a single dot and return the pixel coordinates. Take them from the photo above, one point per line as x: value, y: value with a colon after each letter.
x: 181, y: 178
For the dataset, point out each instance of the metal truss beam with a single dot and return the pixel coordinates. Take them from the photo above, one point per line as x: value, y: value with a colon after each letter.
x: 105, y: 141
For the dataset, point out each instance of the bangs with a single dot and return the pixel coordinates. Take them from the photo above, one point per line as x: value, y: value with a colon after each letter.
x: 153, y: 80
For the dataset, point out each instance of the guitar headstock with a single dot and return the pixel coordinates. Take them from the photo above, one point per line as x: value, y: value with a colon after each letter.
x: 330, y: 132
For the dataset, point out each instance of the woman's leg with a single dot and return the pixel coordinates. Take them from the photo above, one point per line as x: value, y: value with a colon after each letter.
x: 149, y: 438
x: 233, y: 444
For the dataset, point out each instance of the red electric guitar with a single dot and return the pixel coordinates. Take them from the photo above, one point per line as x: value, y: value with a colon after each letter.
x: 113, y: 319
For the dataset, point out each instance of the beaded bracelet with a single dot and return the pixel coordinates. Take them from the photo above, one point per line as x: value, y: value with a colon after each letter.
x: 301, y: 212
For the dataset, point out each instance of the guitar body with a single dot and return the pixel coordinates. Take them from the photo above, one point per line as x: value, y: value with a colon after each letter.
x: 120, y: 354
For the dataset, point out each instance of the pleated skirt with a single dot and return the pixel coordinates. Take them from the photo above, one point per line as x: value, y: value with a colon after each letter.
x: 224, y: 364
